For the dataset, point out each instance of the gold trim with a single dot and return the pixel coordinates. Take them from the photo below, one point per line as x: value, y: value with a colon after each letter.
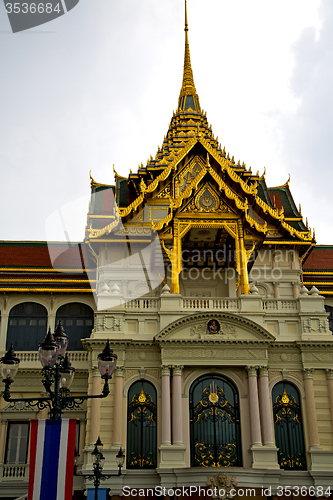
x: 44, y: 280
x: 163, y: 222
x: 276, y: 242
x: 151, y: 218
x: 101, y: 216
x: 305, y: 235
x: 317, y: 272
x: 48, y: 290
x: 95, y: 233
x: 318, y: 283
x: 117, y: 175
x: 285, y: 185
x: 47, y: 270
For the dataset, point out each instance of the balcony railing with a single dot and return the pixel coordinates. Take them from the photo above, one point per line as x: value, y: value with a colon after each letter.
x: 280, y: 305
x: 14, y: 472
x: 211, y: 304
x: 146, y: 303
x: 32, y: 356
x: 215, y: 304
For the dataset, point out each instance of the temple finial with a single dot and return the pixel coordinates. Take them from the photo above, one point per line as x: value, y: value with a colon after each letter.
x: 188, y: 99
x: 186, y: 22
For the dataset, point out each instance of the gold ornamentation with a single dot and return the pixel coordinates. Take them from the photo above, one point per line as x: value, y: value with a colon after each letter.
x: 142, y: 397
x: 284, y: 398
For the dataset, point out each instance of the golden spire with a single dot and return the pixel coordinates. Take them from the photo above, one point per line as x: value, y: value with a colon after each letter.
x: 188, y: 98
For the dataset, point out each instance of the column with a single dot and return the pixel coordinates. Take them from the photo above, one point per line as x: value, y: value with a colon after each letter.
x: 95, y: 412
x: 276, y: 289
x: 3, y: 428
x: 245, y: 289
x: 310, y: 406
x: 166, y: 407
x: 265, y: 407
x: 329, y: 377
x: 254, y: 406
x: 3, y: 327
x: 296, y: 285
x: 118, y: 407
x: 176, y: 265
x: 177, y: 420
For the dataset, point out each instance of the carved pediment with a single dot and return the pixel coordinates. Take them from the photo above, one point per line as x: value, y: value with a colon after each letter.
x: 206, y: 200
x: 217, y: 327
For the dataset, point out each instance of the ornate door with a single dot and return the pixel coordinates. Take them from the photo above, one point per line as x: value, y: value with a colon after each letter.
x: 214, y: 423
x: 288, y: 426
x: 141, y: 426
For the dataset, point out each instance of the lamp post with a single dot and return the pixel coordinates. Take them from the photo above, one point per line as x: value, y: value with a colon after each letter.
x: 57, y: 372
x: 98, y: 461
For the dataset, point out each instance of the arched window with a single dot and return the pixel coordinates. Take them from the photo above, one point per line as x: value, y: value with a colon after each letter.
x: 78, y: 321
x: 27, y: 324
x: 214, y: 423
x: 288, y: 426
x: 329, y: 309
x: 141, y: 426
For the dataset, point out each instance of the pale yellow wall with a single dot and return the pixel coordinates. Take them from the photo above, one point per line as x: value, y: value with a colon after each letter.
x: 323, y: 409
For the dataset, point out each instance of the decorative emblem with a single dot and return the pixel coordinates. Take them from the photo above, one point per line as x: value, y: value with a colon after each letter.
x: 213, y: 396
x: 142, y: 397
x: 221, y: 483
x: 284, y: 398
x: 207, y: 201
x: 213, y: 326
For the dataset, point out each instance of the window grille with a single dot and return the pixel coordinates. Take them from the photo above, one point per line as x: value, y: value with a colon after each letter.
x: 288, y: 426
x: 141, y: 426
x: 214, y: 423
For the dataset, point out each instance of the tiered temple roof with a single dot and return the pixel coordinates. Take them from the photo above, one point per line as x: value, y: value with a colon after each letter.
x: 268, y: 212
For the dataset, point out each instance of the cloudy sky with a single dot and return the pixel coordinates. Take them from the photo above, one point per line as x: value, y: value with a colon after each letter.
x: 97, y: 87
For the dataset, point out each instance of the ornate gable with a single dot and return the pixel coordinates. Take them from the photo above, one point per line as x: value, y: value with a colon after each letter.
x: 214, y: 327
x: 206, y: 200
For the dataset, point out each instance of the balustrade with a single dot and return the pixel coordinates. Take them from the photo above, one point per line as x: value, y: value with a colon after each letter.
x: 14, y: 471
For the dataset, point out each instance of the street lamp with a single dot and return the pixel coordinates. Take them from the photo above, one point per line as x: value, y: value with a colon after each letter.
x: 57, y: 371
x: 98, y: 461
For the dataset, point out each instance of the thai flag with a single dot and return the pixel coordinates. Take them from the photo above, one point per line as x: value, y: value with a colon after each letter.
x: 52, y: 447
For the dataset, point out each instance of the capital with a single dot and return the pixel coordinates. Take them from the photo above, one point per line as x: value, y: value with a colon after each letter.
x: 119, y: 371
x: 308, y: 373
x: 95, y: 371
x: 251, y: 371
x: 165, y: 370
x: 329, y: 373
x: 177, y: 369
x: 263, y: 371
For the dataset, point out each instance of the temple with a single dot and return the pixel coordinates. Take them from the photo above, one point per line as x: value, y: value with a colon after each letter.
x: 218, y: 303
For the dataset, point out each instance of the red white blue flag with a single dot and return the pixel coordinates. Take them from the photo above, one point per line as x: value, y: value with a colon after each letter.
x: 52, y: 448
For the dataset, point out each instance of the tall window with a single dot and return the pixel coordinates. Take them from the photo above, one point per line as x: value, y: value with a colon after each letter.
x: 26, y: 326
x: 78, y: 321
x: 141, y: 426
x: 214, y: 423
x: 17, y: 443
x: 288, y: 426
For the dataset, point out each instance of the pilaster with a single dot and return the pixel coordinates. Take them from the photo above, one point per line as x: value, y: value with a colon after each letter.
x: 95, y: 414
x: 268, y: 454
